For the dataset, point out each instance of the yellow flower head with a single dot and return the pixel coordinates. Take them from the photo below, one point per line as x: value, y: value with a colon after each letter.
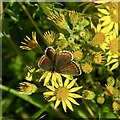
x: 63, y: 93
x: 30, y: 44
x: 87, y: 68
x: 116, y: 106
x: 98, y: 58
x: 73, y: 17
x: 59, y: 20
x: 49, y: 37
x: 98, y: 39
x: 109, y: 18
x: 27, y: 88
x: 109, y: 90
x: 78, y: 54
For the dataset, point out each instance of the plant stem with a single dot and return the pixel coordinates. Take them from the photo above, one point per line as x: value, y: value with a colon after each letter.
x: 89, y: 110
x: 32, y: 21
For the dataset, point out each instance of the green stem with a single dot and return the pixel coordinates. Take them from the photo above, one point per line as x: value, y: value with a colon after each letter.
x: 24, y: 97
x: 32, y: 21
x: 89, y: 110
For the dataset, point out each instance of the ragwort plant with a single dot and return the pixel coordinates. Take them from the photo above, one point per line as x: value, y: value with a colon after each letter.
x: 93, y: 41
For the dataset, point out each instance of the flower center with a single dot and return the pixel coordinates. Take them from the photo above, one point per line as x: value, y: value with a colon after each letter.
x: 62, y: 93
x: 98, y: 39
x: 87, y: 68
x: 98, y: 58
x: 114, y: 17
x: 31, y: 44
x: 114, y: 46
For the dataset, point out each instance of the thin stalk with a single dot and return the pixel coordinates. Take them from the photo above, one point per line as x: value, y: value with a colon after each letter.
x: 89, y: 110
x: 32, y: 21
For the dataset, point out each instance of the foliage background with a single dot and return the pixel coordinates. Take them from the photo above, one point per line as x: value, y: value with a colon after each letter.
x: 16, y: 24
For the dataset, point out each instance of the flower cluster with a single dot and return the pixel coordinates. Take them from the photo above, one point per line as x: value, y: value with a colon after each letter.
x: 92, y: 45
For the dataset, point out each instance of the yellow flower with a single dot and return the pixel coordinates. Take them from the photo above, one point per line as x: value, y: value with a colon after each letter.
x: 109, y: 90
x: 111, y: 46
x: 53, y: 77
x: 109, y: 18
x: 78, y: 54
x: 49, y: 37
x: 63, y: 93
x: 59, y: 20
x: 98, y: 58
x: 27, y: 88
x: 31, y: 44
x: 116, y: 106
x: 73, y: 17
x: 87, y: 68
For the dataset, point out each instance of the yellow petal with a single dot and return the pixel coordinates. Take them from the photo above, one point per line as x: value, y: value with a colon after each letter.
x: 48, y: 93
x: 51, y: 88
x: 66, y: 82
x: 105, y: 18
x: 71, y: 84
x: 98, y: 28
x: 56, y: 85
x: 75, y: 89
x: 106, y: 22
x: 64, y: 106
x: 67, y: 76
x: 73, y: 95
x: 114, y: 66
x: 104, y: 11
x: 116, y: 28
x: 52, y: 99
x: 110, y: 27
x: 47, y: 78
x: 59, y: 79
x: 53, y: 80
x: 57, y: 103
x: 69, y: 105
x: 108, y: 59
x: 73, y: 101
x: 112, y: 61
x: 44, y: 75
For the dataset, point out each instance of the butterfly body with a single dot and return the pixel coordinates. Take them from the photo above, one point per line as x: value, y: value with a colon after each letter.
x: 61, y: 62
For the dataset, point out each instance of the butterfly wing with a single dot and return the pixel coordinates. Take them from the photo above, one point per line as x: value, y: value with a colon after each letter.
x: 70, y: 68
x: 63, y: 58
x: 45, y: 63
x: 50, y: 53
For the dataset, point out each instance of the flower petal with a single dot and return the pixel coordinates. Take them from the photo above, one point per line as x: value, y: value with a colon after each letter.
x: 57, y: 103
x: 66, y: 82
x: 44, y: 75
x: 73, y: 101
x: 114, y: 66
x: 73, y: 95
x: 50, y: 93
x: 75, y: 89
x: 51, y: 88
x: 59, y: 78
x: 71, y: 84
x: 67, y: 76
x: 64, y: 106
x: 47, y: 78
x: 52, y: 99
x: 53, y: 80
x: 112, y: 61
x: 116, y: 28
x: 69, y: 105
x: 105, y: 18
x: 104, y: 11
x: 106, y: 22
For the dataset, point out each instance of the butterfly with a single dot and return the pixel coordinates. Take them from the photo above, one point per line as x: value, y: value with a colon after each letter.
x: 61, y: 62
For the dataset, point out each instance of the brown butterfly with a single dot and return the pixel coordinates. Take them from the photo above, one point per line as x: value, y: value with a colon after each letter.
x: 61, y: 62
